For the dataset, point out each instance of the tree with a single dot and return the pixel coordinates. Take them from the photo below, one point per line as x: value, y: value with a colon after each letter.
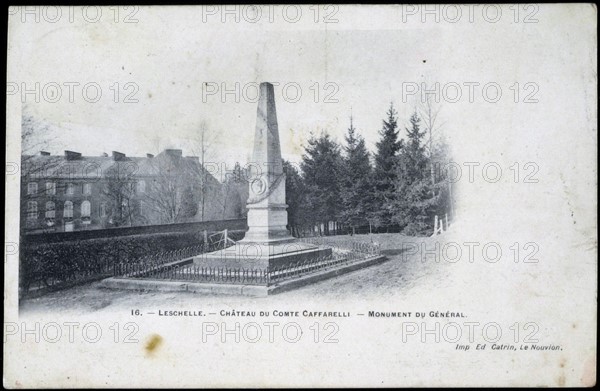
x: 429, y: 111
x: 203, y: 178
x: 173, y: 190
x: 413, y: 159
x: 294, y: 198
x: 355, y: 181
x: 119, y: 192
x: 235, y: 193
x: 211, y: 203
x: 416, y: 201
x: 321, y: 168
x: 441, y: 159
x: 35, y: 137
x: 438, y: 153
x: 384, y: 173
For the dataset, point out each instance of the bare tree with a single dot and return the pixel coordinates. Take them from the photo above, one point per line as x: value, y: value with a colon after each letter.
x: 428, y: 110
x: 119, y: 192
x: 203, y: 150
x: 218, y: 198
x: 234, y: 193
x: 35, y: 138
x: 173, y: 189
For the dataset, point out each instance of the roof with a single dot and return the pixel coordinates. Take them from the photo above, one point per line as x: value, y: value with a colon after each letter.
x: 95, y: 167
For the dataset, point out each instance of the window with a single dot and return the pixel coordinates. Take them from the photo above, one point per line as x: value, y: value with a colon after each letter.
x: 86, y: 209
x: 87, y: 188
x: 50, y: 188
x: 142, y: 208
x: 103, y: 210
x: 70, y: 189
x: 50, y: 214
x: 32, y: 188
x: 32, y: 210
x: 141, y: 186
x: 68, y: 212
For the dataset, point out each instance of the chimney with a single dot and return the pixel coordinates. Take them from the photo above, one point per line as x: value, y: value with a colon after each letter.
x: 194, y: 158
x: 118, y: 156
x: 71, y: 155
x: 174, y: 152
x: 149, y: 155
x: 44, y: 153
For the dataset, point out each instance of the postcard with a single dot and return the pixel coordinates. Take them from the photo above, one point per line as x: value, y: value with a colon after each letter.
x: 292, y: 195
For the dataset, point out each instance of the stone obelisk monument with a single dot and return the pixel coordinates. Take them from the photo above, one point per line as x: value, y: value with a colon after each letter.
x: 267, y: 215
x: 267, y: 242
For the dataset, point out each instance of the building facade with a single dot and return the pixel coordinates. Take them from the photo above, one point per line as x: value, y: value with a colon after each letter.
x: 75, y: 192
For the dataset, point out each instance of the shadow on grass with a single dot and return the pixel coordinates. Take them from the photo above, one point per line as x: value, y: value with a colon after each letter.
x: 392, y: 252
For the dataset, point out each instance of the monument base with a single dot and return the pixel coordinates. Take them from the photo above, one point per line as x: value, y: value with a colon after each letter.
x: 254, y: 290
x: 262, y: 256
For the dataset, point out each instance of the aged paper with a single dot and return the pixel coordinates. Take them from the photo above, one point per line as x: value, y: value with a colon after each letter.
x: 415, y: 187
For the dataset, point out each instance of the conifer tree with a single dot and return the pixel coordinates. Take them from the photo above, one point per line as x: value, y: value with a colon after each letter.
x: 413, y: 157
x: 294, y: 198
x: 355, y: 184
x: 414, y: 204
x: 384, y: 174
x: 321, y: 167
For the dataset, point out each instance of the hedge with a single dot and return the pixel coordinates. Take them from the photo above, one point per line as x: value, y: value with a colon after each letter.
x: 73, y: 260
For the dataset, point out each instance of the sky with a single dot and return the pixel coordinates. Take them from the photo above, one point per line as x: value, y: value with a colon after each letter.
x: 181, y: 67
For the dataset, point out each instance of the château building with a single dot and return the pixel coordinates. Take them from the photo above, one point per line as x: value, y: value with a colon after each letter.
x: 73, y: 192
